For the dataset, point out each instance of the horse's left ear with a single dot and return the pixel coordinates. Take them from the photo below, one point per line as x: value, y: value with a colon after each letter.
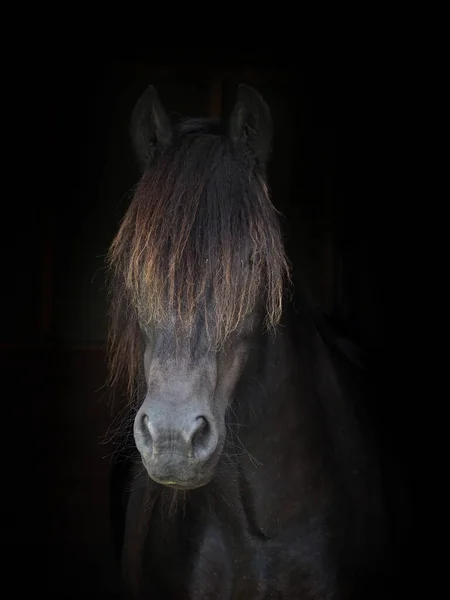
x: 251, y: 123
x: 151, y: 129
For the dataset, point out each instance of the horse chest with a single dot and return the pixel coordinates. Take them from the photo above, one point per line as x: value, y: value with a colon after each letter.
x: 227, y: 567
x: 230, y: 565
x: 246, y: 569
x: 213, y: 564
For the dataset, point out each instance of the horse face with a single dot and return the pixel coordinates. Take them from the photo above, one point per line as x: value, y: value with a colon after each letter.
x: 180, y: 427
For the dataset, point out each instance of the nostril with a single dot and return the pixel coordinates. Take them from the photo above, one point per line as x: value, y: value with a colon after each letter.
x: 201, y: 430
x: 145, y: 425
x: 146, y: 433
x: 201, y: 439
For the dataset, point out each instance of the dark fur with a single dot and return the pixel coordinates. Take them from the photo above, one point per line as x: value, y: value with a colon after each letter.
x: 294, y: 509
x: 200, y: 239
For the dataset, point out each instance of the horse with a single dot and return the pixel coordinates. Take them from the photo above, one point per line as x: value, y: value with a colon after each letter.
x: 253, y: 474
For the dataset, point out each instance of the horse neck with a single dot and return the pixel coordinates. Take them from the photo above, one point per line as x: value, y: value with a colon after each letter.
x: 292, y: 402
x: 272, y: 382
x: 268, y: 390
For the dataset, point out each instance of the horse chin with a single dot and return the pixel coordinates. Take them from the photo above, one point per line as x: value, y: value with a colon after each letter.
x: 180, y: 473
x: 184, y: 485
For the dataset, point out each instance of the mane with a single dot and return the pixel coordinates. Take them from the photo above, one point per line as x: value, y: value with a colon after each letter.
x: 201, y: 239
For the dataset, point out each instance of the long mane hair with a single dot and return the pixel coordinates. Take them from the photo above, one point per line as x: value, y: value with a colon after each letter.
x: 200, y: 240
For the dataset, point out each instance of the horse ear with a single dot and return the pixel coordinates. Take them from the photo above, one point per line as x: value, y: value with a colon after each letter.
x: 251, y: 122
x: 151, y: 129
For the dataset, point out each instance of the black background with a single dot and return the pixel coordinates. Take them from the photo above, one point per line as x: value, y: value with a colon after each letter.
x: 68, y: 185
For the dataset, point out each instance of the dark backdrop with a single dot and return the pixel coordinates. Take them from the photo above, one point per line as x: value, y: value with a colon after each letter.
x: 69, y: 189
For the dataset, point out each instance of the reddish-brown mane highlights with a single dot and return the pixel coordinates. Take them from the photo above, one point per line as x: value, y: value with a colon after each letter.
x: 200, y: 237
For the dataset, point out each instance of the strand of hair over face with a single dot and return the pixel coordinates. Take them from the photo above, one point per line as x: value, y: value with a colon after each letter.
x: 200, y: 237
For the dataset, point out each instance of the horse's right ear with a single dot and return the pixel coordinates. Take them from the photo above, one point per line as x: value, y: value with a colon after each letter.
x: 151, y: 129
